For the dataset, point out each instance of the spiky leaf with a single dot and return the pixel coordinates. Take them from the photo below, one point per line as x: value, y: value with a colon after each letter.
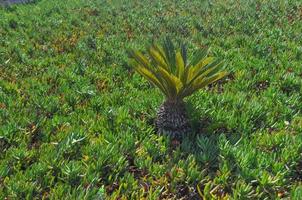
x: 158, y: 58
x: 168, y: 69
x: 180, y: 65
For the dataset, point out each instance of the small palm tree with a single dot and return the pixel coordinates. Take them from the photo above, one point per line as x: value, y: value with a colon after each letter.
x: 177, y: 77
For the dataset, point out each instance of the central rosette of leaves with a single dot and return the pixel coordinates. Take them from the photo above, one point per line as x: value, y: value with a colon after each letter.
x: 168, y: 68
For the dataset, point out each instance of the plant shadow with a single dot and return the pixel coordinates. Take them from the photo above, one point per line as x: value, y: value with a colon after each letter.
x: 205, y: 140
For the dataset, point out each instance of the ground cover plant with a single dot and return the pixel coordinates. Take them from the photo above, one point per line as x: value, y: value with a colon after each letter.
x: 76, y: 122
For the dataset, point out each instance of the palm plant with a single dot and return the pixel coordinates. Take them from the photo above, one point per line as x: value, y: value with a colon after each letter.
x: 177, y: 77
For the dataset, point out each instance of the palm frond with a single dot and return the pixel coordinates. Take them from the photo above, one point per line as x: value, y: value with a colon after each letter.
x: 168, y: 69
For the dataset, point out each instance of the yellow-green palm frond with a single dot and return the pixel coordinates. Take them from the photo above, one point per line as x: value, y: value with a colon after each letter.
x: 169, y: 69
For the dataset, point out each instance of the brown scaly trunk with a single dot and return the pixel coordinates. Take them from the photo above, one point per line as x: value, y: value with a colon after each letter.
x: 172, y: 119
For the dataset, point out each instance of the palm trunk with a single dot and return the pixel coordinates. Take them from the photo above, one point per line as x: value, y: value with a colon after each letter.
x: 172, y: 119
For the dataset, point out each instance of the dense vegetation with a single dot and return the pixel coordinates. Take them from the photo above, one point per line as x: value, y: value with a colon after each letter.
x: 77, y: 123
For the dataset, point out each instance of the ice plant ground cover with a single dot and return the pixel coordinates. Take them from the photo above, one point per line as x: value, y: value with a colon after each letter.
x: 76, y: 122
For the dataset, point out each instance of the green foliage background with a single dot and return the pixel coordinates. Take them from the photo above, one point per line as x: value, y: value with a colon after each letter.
x: 76, y: 121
